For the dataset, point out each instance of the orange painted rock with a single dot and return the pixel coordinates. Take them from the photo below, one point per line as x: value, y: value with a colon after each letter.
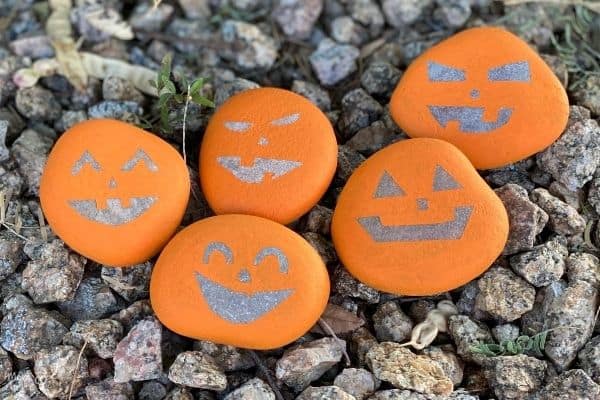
x: 416, y: 219
x: 485, y: 91
x: 239, y: 280
x: 267, y: 152
x: 113, y: 192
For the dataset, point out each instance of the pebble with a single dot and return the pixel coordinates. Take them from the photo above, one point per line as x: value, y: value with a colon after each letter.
x: 526, y: 219
x: 380, y: 78
x: 361, y: 342
x: 34, y: 47
x: 572, y: 384
x: 54, y: 272
x: 317, y: 220
x: 399, y: 185
x: 109, y: 390
x: 400, y: 13
x: 368, y: 14
x: 195, y: 9
x: 466, y: 332
x: 583, y: 267
x: 22, y: 386
x: 505, y: 332
x: 348, y: 160
x: 504, y: 295
x: 346, y: 285
x: 133, y: 314
x: 132, y: 283
x: 6, y: 367
x: 93, y: 299
x: 26, y: 330
x: 333, y: 62
x: 344, y: 29
x: 359, y: 110
x: 453, y: 13
x: 11, y: 250
x: 230, y: 88
x: 402, y: 368
x: 152, y: 390
x: 227, y: 358
x: 248, y: 47
x: 448, y: 361
x: 589, y: 359
x: 126, y: 111
x: 68, y: 119
x: 59, y: 369
x: 30, y: 151
x: 296, y: 18
x: 198, y: 370
x: 357, y: 382
x: 574, y: 157
x: 517, y: 173
x: 115, y: 88
x: 313, y: 92
x: 37, y: 103
x: 138, y: 357
x: 4, y: 152
x: 457, y: 115
x: 323, y: 246
x: 325, y: 392
x: 151, y: 18
x: 101, y: 336
x: 515, y: 377
x: 298, y: 367
x: 563, y: 218
x: 254, y: 389
x: 543, y: 264
x: 586, y: 94
x: 391, y: 323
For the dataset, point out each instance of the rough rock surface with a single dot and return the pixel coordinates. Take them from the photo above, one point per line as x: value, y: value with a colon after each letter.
x: 563, y: 218
x: 391, y: 323
x: 198, y: 370
x: 101, y: 336
x: 515, y: 377
x: 59, y: 368
x: 333, y: 62
x: 138, y: 357
x: 325, y: 392
x: 254, y: 389
x: 358, y: 382
x: 573, y: 384
x: 543, y: 264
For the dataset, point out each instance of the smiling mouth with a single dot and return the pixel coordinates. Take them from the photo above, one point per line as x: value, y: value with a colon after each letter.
x: 450, y: 230
x: 258, y: 170
x: 470, y: 119
x: 114, y: 213
x: 236, y: 307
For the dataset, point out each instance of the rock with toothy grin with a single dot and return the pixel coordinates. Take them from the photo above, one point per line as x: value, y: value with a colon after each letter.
x: 258, y: 170
x: 114, y: 213
x: 237, y: 307
x: 450, y: 230
x: 470, y: 119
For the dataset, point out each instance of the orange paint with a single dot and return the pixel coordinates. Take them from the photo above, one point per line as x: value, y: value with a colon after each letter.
x: 267, y: 152
x: 239, y: 280
x: 485, y: 91
x: 416, y: 219
x: 113, y: 192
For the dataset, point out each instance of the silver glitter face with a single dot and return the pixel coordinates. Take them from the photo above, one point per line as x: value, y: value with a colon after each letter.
x: 287, y: 120
x: 442, y: 73
x: 140, y: 155
x: 450, y: 230
x: 513, y: 72
x: 261, y: 167
x: 114, y: 213
x: 217, y: 247
x: 244, y: 276
x: 273, y: 251
x: 470, y: 119
x: 85, y: 159
x: 236, y: 307
x: 422, y: 204
x: 387, y: 187
x: 442, y: 180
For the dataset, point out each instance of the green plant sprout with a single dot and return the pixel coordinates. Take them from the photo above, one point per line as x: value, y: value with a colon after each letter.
x: 534, y: 344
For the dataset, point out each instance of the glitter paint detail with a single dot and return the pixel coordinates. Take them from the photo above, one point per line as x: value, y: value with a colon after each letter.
x: 237, y: 126
x: 273, y: 251
x: 513, y: 72
x: 239, y: 308
x: 469, y: 118
x: 114, y: 213
x: 443, y: 73
x: 86, y: 158
x: 287, y: 120
x: 442, y: 180
x: 244, y: 276
x: 451, y: 230
x: 261, y: 167
x: 387, y: 187
x: 140, y: 155
x: 220, y: 247
x: 422, y: 204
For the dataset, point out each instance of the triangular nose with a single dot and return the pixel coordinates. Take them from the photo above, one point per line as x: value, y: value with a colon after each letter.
x: 112, y: 184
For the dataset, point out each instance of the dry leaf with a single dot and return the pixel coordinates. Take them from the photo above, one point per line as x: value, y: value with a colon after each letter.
x: 109, y: 21
x: 339, y: 319
x: 423, y: 335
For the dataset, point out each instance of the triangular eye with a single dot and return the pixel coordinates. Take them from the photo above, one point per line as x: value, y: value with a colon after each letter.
x: 387, y: 187
x: 442, y: 180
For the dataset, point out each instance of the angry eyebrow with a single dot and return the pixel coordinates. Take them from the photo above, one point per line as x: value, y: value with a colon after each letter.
x: 287, y: 120
x: 238, y: 126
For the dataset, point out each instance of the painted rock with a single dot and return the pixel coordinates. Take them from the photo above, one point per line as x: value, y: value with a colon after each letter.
x: 416, y: 219
x: 113, y: 192
x: 267, y: 152
x: 239, y: 280
x: 485, y: 91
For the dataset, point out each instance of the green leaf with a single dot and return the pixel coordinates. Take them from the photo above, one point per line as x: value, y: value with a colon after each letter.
x: 165, y: 67
x: 197, y: 85
x: 170, y: 86
x: 183, y: 80
x: 201, y: 100
x: 163, y: 100
x: 152, y: 83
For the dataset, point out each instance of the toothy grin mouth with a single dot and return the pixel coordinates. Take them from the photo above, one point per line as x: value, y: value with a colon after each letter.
x: 236, y: 307
x: 450, y: 230
x: 114, y: 213
x: 260, y: 167
x: 470, y: 118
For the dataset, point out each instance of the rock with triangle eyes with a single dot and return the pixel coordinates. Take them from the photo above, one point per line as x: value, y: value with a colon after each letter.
x: 113, y: 192
x: 239, y: 280
x: 417, y: 219
x: 485, y: 91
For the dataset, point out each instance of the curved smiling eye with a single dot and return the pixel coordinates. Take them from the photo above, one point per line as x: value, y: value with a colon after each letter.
x: 273, y: 251
x: 443, y: 73
x: 140, y: 155
x: 86, y: 158
x: 287, y: 120
x: 220, y: 247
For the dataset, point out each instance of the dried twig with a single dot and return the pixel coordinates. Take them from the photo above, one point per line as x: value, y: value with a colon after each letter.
x: 261, y: 365
x: 325, y: 326
x: 75, y: 372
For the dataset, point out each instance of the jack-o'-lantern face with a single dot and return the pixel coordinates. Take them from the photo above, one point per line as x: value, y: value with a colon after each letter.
x: 267, y: 144
x: 240, y: 280
x: 107, y: 185
x: 485, y: 91
x: 417, y: 219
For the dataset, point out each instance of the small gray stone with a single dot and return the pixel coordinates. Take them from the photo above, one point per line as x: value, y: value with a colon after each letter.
x: 505, y: 332
x: 454, y: 13
x: 109, y: 390
x: 333, y: 62
x: 380, y: 78
x: 346, y: 285
x: 564, y: 219
x: 34, y: 47
x: 195, y: 9
x: 324, y: 392
x: 400, y: 13
x: 54, y: 272
x: 227, y: 358
x: 594, y: 193
x: 180, y: 393
x: 37, y: 103
x: 300, y: 366
x: 348, y: 160
x: 466, y: 332
x: 6, y: 367
x: 358, y: 382
x: 345, y: 30
x: 318, y: 220
x: 587, y: 95
x: 583, y: 267
x: 93, y: 299
x: 127, y: 111
x: 534, y: 321
x: 574, y: 157
x: 391, y: 323
x: 361, y: 342
x: 68, y: 119
x: 368, y: 14
x: 254, y: 389
x: 228, y: 89
x: 152, y: 390
x: 249, y: 48
x: 30, y: 151
x: 504, y: 295
x: 133, y: 314
x: 198, y: 370
x: 115, y: 88
x: 132, y: 283
x: 4, y: 152
x: 58, y: 369
x: 101, y: 336
x: 359, y: 110
x: 542, y: 265
x: 572, y: 384
x: 419, y: 309
x: 151, y: 18
x: 526, y: 219
x: 317, y: 95
x: 26, y: 330
x: 372, y: 138
x: 296, y: 18
x: 589, y: 359
x: 514, y: 377
x: 448, y: 361
x: 22, y: 386
x: 323, y: 246
x: 517, y: 173
x: 11, y: 254
x: 138, y: 357
x: 402, y: 368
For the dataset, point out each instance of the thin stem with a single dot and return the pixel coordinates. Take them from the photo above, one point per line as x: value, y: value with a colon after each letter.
x: 76, y: 369
x: 259, y: 363
x: 325, y: 326
x: 185, y: 110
